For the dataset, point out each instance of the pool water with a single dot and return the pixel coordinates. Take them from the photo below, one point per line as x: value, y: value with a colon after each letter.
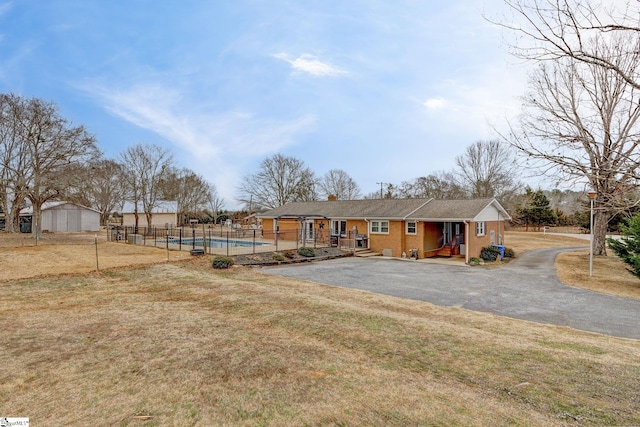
x: 218, y: 243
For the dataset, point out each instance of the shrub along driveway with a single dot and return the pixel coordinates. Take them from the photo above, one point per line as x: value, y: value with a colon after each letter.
x: 527, y: 288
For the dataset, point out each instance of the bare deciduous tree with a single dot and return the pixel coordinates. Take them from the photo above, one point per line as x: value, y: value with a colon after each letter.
x: 13, y: 158
x: 46, y: 148
x: 486, y: 169
x: 215, y: 202
x: 556, y: 29
x: 103, y: 189
x: 441, y: 185
x: 280, y: 180
x: 338, y: 183
x: 189, y: 189
x: 581, y: 123
x: 145, y: 167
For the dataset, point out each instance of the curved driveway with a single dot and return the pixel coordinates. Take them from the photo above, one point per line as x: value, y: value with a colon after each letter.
x: 526, y: 288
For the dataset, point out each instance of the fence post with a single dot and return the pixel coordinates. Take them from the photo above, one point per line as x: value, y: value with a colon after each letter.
x: 228, y: 243
x: 180, y: 240
x: 254, y: 241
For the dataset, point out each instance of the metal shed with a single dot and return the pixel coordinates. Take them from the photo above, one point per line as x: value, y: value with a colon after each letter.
x: 64, y: 217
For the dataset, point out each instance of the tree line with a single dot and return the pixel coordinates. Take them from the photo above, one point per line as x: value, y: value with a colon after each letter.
x: 484, y: 170
x: 45, y: 157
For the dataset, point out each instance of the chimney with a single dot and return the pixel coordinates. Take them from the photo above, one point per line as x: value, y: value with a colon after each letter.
x: 332, y: 198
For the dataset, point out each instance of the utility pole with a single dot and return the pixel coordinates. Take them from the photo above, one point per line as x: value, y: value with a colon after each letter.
x: 382, y: 183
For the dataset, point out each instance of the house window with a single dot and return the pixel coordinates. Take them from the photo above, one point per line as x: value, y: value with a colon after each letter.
x: 380, y: 227
x: 411, y: 227
x: 480, y: 228
x: 338, y: 228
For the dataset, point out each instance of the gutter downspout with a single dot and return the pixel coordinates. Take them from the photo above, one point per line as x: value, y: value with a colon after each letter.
x: 368, y: 235
x: 466, y: 241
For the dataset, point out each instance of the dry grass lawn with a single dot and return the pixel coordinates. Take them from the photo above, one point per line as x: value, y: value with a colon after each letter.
x: 181, y: 344
x: 54, y: 254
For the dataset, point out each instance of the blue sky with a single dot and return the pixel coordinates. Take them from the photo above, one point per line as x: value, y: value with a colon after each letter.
x: 385, y: 90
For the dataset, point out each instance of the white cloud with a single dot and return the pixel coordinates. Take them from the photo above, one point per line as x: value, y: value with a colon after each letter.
x: 434, y: 103
x: 311, y: 64
x: 216, y: 144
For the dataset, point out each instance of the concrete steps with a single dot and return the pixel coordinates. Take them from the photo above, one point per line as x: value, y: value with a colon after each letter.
x: 367, y: 253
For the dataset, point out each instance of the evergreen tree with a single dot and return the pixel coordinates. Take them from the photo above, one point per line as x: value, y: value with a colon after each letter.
x: 536, y: 209
x: 628, y: 247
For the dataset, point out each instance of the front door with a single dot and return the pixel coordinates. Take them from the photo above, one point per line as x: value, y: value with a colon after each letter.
x: 447, y: 233
x: 307, y: 230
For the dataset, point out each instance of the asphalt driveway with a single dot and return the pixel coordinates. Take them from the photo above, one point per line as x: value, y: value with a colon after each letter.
x: 527, y: 288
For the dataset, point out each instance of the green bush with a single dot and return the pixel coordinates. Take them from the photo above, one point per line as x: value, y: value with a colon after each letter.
x: 306, y: 251
x: 475, y: 261
x: 278, y: 257
x: 628, y: 247
x: 509, y: 253
x: 221, y: 262
x: 490, y: 253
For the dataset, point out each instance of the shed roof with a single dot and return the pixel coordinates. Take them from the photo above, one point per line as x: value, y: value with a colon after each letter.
x: 52, y: 205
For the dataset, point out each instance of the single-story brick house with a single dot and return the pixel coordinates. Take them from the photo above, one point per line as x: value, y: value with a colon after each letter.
x: 395, y: 227
x: 164, y: 214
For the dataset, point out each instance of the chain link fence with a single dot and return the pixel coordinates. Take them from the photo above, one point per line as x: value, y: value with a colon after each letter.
x: 228, y: 241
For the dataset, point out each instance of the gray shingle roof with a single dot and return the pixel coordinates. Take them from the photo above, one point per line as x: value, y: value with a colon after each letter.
x: 452, y: 209
x: 418, y: 209
x: 369, y: 208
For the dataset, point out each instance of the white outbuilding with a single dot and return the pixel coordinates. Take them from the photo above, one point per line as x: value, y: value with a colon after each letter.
x: 164, y: 214
x: 62, y: 217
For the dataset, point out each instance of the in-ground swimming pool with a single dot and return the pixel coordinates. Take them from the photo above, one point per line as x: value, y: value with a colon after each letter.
x: 217, y: 243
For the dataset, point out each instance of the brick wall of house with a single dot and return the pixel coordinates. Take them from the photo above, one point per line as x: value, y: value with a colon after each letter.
x: 479, y: 242
x: 392, y: 241
x: 288, y: 228
x: 267, y: 226
x: 361, y: 226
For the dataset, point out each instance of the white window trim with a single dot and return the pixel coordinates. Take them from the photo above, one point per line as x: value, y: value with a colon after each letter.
x: 480, y: 228
x: 415, y: 228
x: 336, y: 228
x: 379, y: 223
